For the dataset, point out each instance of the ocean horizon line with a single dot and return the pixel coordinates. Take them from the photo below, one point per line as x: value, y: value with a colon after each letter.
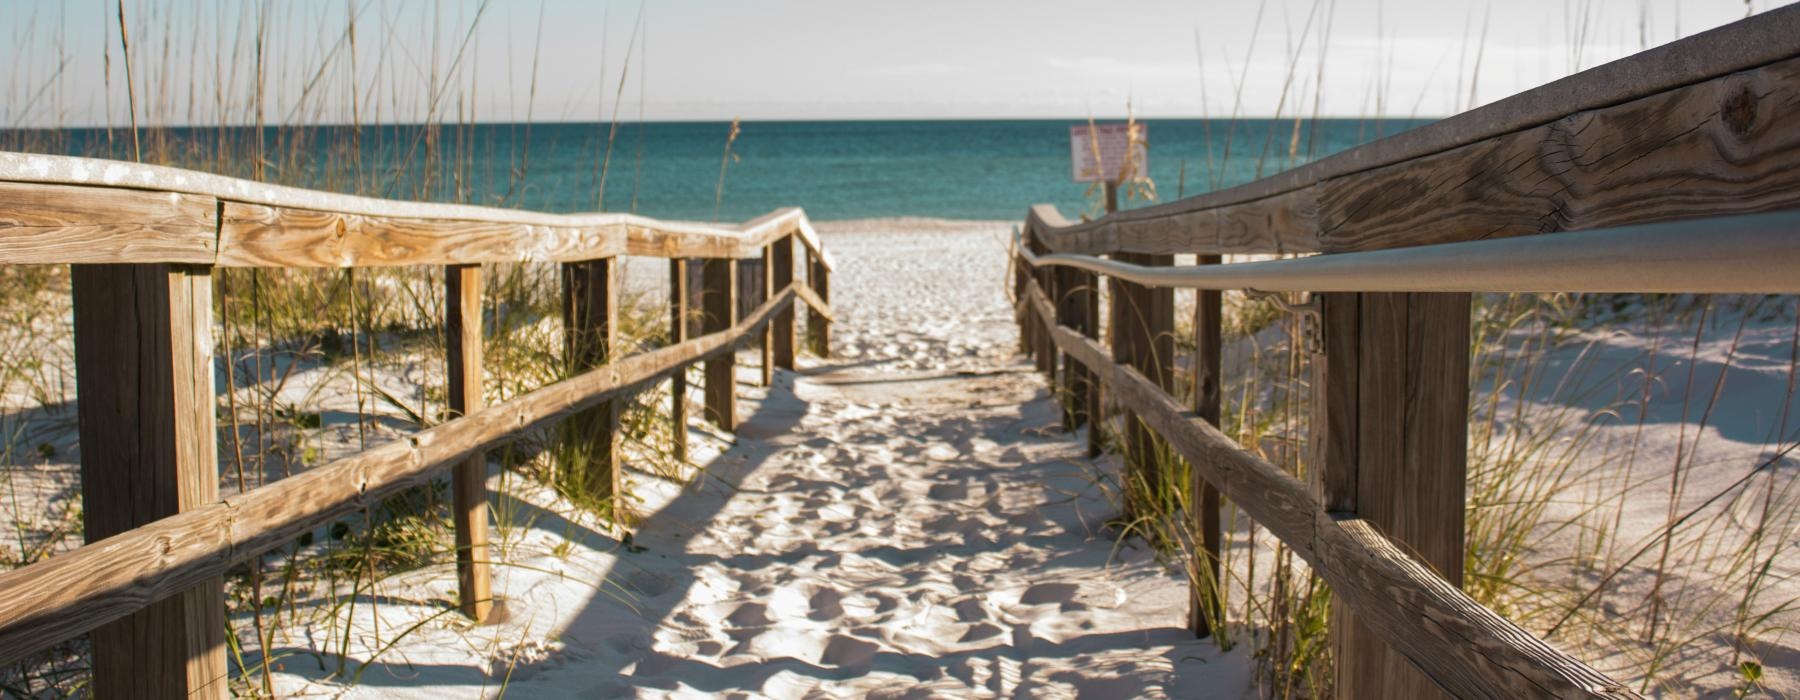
x: 962, y: 169
x: 625, y: 122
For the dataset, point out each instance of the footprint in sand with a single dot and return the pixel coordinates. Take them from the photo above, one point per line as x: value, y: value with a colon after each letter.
x: 949, y: 492
x: 1047, y: 593
x: 981, y: 631
x: 969, y: 610
x: 749, y: 615
x: 827, y: 605
x: 848, y: 651
x: 860, y: 606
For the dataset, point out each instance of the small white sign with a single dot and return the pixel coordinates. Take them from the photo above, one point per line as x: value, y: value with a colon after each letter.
x: 1109, y: 152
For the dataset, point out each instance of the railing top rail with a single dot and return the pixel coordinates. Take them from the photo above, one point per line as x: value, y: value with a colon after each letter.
x: 1743, y: 254
x: 94, y: 172
x: 277, y: 225
x: 1287, y: 212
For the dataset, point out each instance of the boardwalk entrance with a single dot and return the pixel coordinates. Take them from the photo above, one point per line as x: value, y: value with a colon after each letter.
x: 904, y: 516
x: 907, y: 513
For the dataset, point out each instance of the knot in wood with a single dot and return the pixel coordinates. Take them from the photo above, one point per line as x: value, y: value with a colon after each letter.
x: 1739, y: 111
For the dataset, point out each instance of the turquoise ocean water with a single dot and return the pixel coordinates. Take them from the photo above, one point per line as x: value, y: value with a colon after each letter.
x: 835, y: 170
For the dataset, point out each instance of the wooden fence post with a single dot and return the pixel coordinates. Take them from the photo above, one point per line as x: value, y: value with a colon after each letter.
x: 1090, y: 315
x: 1145, y: 322
x: 678, y: 326
x: 768, y: 333
x: 1027, y: 329
x: 818, y: 328
x: 1040, y: 331
x: 1070, y: 313
x: 781, y: 274
x: 148, y: 432
x: 590, y: 330
x: 462, y: 330
x: 1391, y: 446
x: 1096, y: 396
x: 720, y: 304
x: 1022, y: 314
x: 1207, y: 604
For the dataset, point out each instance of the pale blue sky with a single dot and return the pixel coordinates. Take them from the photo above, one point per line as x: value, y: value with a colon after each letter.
x: 813, y: 59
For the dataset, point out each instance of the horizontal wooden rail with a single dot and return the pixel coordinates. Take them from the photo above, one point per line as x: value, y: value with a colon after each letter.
x: 814, y: 302
x: 1700, y: 127
x: 1470, y: 650
x: 72, y: 593
x: 1743, y: 254
x: 61, y: 209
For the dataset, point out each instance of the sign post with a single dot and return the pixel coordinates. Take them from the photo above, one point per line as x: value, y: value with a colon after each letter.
x: 1109, y: 154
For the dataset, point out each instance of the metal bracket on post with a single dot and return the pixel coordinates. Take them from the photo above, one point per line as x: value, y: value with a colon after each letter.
x: 1312, y: 334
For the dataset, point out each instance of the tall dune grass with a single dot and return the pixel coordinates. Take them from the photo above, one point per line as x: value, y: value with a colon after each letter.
x: 314, y: 364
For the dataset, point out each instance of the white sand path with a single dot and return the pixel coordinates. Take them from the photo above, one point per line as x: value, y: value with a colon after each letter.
x: 904, y: 520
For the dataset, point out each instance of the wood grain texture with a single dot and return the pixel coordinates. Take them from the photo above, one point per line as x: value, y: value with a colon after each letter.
x: 1017, y: 268
x: 468, y: 481
x: 766, y: 368
x: 1725, y: 144
x: 1206, y: 602
x: 1071, y: 312
x: 1060, y: 290
x: 1465, y: 648
x: 42, y: 224
x: 819, y: 318
x: 1043, y: 351
x: 761, y: 231
x: 1332, y: 440
x: 815, y: 246
x: 252, y: 235
x: 144, y: 371
x: 590, y: 337
x: 815, y: 304
x: 1144, y: 324
x: 1283, y: 223
x: 718, y: 305
x: 1403, y: 394
x: 651, y: 240
x: 255, y: 235
x: 781, y: 276
x: 1096, y: 412
x: 74, y: 592
x: 679, y: 294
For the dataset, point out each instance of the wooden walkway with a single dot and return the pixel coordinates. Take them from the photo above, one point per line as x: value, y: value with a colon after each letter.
x: 911, y: 520
x: 907, y: 514
x: 1700, y: 133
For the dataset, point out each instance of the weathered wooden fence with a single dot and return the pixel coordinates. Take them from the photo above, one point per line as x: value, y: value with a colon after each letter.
x: 143, y: 241
x: 1667, y: 155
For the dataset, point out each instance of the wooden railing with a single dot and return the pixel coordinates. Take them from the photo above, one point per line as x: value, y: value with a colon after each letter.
x: 143, y: 241
x: 1704, y: 132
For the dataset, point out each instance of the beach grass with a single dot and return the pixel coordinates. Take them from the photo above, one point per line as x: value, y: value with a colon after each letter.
x: 314, y: 364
